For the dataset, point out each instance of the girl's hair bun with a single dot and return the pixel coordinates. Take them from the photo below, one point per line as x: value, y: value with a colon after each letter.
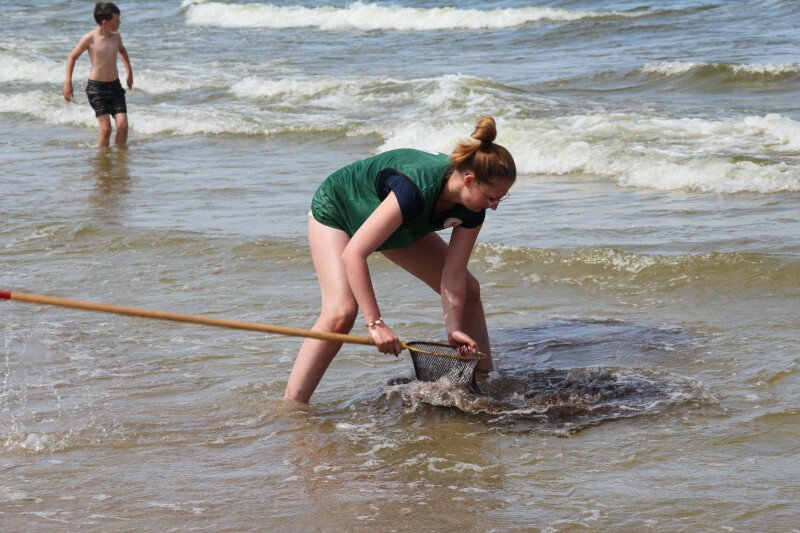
x: 485, y: 131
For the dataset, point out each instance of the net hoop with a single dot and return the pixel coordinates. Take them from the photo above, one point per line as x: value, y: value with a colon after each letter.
x: 440, y: 349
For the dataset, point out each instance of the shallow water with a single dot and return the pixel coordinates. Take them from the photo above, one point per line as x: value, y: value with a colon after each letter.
x: 641, y: 285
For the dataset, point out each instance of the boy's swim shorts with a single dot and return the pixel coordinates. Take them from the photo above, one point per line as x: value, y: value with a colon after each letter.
x: 106, y: 97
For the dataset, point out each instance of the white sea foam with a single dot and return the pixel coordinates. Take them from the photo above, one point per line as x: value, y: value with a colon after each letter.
x: 32, y: 69
x: 671, y: 68
x: 49, y: 107
x: 306, y: 95
x: 151, y: 82
x: 155, y: 120
x: 756, y: 153
x: 38, y: 70
x: 342, y: 94
x: 302, y: 88
x: 439, y: 464
x: 669, y: 154
x: 357, y: 106
x: 372, y: 17
x: 676, y: 68
x: 326, y: 91
x: 774, y: 69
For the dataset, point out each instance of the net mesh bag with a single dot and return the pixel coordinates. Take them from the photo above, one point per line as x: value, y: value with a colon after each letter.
x: 433, y: 361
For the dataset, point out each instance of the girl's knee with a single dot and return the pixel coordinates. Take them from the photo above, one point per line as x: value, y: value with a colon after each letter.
x: 473, y: 290
x: 341, y: 318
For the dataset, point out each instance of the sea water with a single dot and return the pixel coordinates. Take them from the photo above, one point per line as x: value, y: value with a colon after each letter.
x: 640, y: 285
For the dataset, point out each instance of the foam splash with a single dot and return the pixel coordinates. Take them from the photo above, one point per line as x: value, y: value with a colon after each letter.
x: 528, y: 394
x: 30, y: 400
x: 558, y: 401
x: 373, y: 17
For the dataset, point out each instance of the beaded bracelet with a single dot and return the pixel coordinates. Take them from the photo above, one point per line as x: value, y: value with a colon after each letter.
x: 374, y: 323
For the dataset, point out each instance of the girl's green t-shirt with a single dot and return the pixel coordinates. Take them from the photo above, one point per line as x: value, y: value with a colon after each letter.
x: 351, y: 194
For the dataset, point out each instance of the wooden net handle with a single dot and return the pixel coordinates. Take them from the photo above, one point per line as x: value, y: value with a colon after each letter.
x: 181, y: 317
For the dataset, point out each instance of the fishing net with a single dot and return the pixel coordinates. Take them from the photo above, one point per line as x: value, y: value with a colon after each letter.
x: 433, y: 361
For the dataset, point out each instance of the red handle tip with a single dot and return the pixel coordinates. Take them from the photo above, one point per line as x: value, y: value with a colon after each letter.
x: 5, y: 295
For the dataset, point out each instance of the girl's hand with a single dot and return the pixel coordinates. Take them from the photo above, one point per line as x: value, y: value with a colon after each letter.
x: 459, y: 338
x: 385, y: 339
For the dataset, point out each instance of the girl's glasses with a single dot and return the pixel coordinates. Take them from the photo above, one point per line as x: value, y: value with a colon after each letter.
x: 492, y: 201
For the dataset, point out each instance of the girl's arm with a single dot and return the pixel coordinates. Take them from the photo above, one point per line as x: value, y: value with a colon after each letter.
x: 454, y: 284
x: 127, y: 62
x: 374, y: 232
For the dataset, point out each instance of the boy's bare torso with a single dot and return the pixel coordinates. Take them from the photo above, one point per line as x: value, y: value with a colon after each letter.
x: 103, y: 48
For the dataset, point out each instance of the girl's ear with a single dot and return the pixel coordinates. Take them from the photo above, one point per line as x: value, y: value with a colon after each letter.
x: 469, y: 178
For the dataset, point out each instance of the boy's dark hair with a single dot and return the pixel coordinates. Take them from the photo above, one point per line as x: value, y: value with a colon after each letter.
x: 105, y: 11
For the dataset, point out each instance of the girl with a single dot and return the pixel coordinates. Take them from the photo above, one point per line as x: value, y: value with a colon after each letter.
x: 394, y: 202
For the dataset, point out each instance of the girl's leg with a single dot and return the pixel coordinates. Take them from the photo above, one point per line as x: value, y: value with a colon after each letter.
x: 103, y: 131
x: 425, y: 260
x: 121, y: 120
x: 339, y: 310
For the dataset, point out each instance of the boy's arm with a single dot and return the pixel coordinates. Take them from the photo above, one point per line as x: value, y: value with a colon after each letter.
x: 127, y: 62
x: 73, y: 56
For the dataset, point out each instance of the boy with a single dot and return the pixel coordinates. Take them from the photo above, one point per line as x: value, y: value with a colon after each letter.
x: 104, y: 90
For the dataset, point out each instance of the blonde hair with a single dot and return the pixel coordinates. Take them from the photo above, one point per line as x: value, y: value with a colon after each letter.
x: 489, y: 162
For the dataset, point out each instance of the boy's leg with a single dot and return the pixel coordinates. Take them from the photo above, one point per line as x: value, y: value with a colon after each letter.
x: 339, y: 310
x: 425, y: 260
x: 104, y: 130
x: 121, y: 120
